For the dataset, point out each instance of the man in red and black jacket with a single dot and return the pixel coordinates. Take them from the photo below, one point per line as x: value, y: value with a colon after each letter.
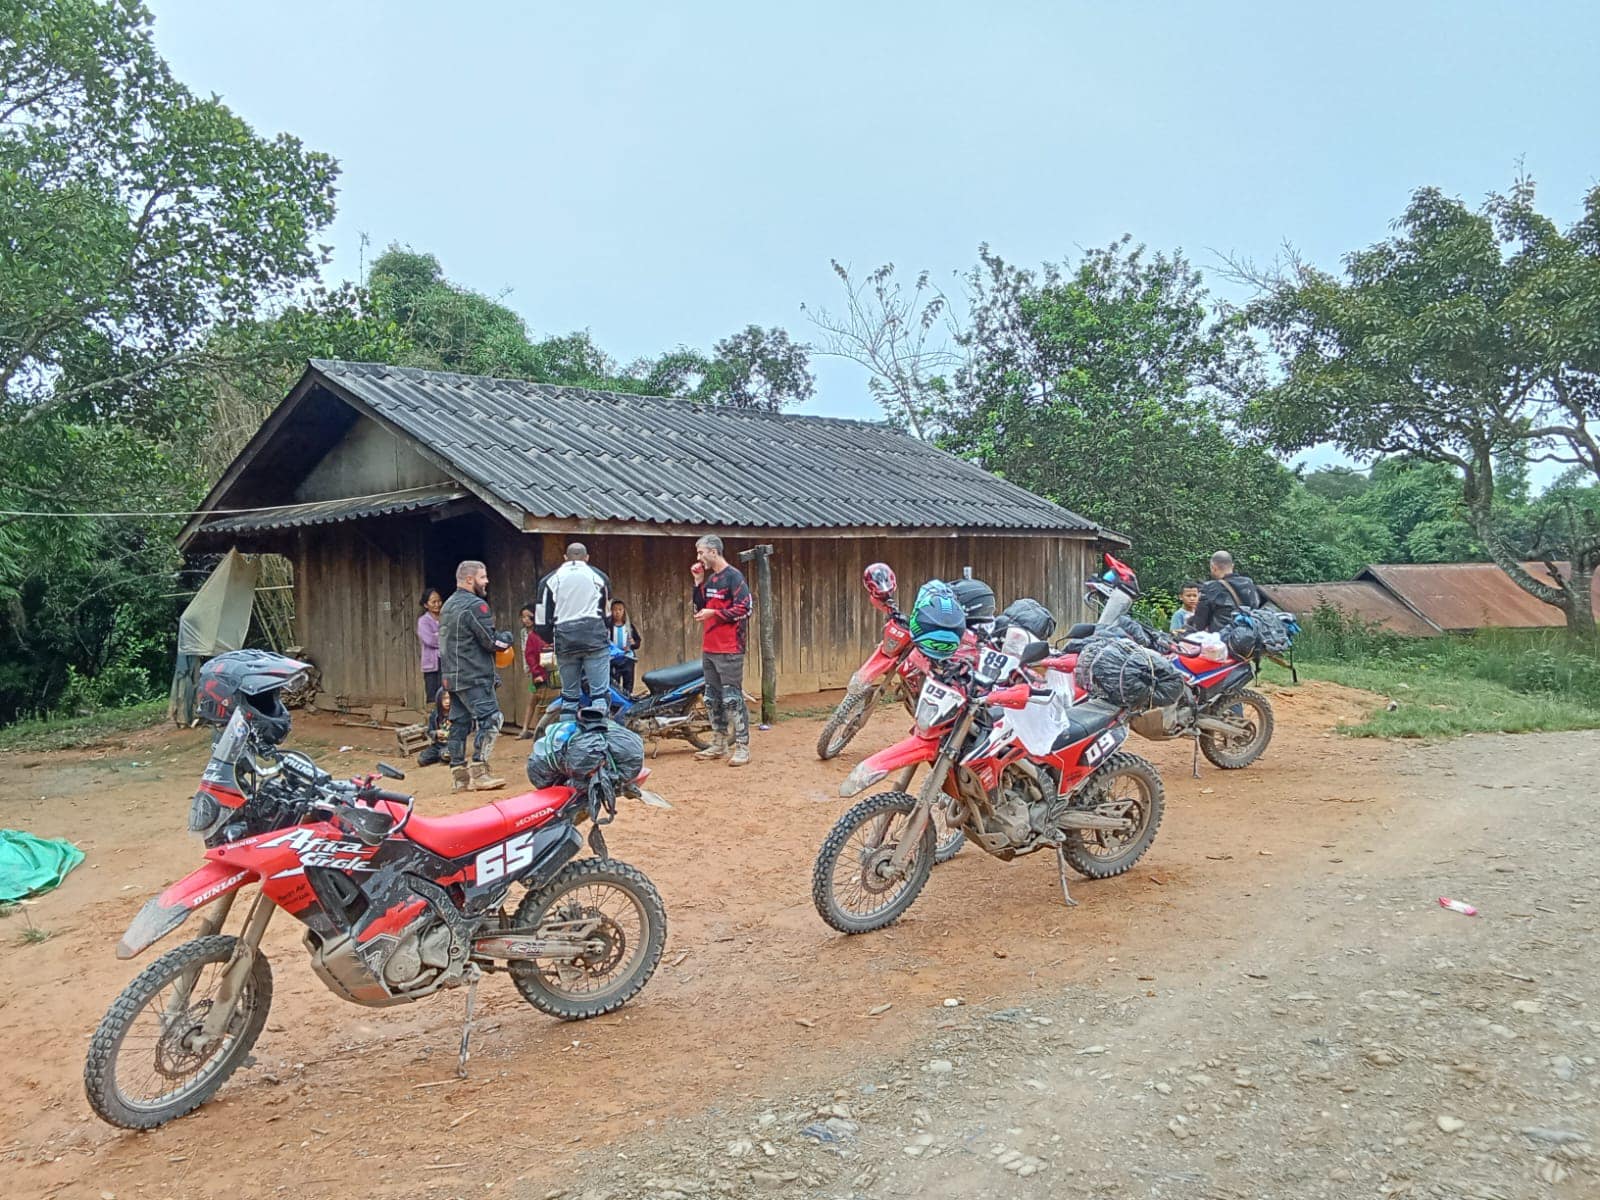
x: 722, y: 606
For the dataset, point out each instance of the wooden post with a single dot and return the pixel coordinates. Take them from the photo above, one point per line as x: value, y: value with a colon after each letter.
x: 769, y: 645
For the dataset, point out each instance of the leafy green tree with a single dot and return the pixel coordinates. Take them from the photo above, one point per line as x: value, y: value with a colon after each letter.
x: 1094, y: 385
x: 1469, y: 339
x: 1337, y: 484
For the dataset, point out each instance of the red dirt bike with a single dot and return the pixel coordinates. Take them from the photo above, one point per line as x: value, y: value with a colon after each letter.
x: 1231, y: 723
x: 397, y: 906
x: 1099, y: 808
x: 895, y: 664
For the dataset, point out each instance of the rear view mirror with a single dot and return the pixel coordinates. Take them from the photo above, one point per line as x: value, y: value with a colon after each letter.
x: 389, y: 772
x: 1036, y: 651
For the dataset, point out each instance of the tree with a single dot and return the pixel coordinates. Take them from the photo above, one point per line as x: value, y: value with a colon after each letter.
x: 134, y: 214
x: 1336, y: 483
x: 905, y: 340
x: 1095, y: 386
x: 1471, y: 339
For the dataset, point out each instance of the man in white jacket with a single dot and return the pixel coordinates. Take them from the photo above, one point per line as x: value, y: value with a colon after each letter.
x: 571, y: 615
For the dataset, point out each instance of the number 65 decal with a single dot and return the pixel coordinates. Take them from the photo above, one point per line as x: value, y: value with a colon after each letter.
x: 1104, y: 745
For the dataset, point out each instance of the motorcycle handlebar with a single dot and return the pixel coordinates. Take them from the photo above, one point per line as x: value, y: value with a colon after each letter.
x: 382, y: 794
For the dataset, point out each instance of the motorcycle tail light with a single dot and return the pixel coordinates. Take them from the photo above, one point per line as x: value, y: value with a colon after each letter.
x: 859, y: 780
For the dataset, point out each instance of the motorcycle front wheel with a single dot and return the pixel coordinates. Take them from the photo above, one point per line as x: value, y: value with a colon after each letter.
x: 847, y: 720
x: 851, y: 885
x: 143, y: 1068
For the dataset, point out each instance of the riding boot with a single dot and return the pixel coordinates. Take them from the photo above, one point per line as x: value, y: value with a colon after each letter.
x: 460, y: 781
x: 740, y: 755
x: 481, y: 780
x: 717, y: 749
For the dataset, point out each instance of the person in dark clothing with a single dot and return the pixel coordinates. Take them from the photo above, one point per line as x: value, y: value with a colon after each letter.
x: 1222, y: 596
x: 624, y: 635
x: 438, y: 732
x: 570, y: 614
x: 722, y: 604
x: 467, y: 645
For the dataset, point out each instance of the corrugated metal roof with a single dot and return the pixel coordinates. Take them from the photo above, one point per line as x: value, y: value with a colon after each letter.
x: 560, y: 452
x: 1364, y: 600
x: 324, y: 512
x: 1470, y: 595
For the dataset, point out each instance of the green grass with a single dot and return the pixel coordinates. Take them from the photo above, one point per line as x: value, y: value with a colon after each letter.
x: 1492, y: 681
x: 1436, y: 704
x: 68, y: 733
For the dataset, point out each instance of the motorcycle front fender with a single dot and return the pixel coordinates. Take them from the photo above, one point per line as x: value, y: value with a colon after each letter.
x: 911, y: 751
x: 873, y: 670
x: 164, y: 913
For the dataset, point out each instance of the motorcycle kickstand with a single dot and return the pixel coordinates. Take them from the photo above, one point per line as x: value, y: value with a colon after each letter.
x: 1194, y: 767
x: 1061, y: 868
x: 473, y: 974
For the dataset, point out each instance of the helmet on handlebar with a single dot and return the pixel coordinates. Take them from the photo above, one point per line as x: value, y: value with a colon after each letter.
x: 880, y: 583
x: 252, y: 681
x: 937, y: 620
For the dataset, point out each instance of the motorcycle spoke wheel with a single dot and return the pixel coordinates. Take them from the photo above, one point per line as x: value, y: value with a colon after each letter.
x: 699, y: 724
x: 1126, y: 787
x: 948, y: 840
x: 847, y: 720
x: 1232, y: 753
x: 144, y: 1067
x: 852, y: 885
x: 624, y: 925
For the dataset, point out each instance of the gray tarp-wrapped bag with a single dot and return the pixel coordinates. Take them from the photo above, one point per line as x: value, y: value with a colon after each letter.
x: 1128, y: 675
x: 569, y: 753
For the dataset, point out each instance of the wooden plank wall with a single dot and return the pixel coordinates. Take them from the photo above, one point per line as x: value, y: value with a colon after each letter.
x: 825, y: 624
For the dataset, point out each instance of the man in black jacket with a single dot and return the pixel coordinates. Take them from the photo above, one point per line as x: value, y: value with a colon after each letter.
x: 467, y: 645
x: 1223, y: 595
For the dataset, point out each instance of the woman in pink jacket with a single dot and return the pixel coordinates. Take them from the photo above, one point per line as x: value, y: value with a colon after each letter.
x: 428, y: 635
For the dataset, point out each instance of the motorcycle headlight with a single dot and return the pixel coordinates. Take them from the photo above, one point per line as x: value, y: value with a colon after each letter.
x: 206, y: 816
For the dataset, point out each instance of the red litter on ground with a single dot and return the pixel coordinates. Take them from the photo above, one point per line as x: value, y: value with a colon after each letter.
x: 1460, y: 906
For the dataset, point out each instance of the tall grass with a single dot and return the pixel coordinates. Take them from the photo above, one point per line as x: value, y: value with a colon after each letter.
x: 1494, y: 679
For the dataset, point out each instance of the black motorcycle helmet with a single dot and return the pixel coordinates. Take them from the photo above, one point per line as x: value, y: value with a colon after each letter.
x: 251, y: 680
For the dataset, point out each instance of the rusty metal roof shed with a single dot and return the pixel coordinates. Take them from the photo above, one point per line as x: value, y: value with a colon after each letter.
x: 1463, y: 596
x: 1364, y: 600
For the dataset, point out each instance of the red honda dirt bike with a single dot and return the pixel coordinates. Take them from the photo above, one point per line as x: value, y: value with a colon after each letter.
x: 397, y: 906
x: 1099, y: 808
x: 895, y: 664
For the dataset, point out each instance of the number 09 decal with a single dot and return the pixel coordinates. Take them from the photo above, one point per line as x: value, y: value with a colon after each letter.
x: 1104, y: 745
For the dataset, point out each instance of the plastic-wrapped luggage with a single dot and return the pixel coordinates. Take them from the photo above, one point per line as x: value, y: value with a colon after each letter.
x: 571, y: 752
x: 1127, y: 674
x: 1027, y: 614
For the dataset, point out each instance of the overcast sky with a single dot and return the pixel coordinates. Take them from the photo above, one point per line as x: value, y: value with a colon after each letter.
x: 666, y: 174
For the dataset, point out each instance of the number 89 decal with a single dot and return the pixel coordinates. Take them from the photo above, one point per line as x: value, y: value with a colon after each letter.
x: 1104, y: 745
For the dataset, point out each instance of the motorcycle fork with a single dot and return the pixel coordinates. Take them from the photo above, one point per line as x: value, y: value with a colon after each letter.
x: 236, y: 973
x: 928, y: 796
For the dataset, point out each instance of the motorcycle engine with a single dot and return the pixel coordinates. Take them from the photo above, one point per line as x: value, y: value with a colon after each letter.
x: 1020, y: 803
x: 418, y: 958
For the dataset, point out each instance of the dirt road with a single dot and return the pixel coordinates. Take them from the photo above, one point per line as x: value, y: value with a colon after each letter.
x: 1272, y: 1004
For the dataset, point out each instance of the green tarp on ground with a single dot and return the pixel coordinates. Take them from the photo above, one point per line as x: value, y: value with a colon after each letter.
x: 31, y: 864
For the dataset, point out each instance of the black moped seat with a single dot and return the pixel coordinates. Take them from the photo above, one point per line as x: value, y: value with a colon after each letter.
x: 670, y: 679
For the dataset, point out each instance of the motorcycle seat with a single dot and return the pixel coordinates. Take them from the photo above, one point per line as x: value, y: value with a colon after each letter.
x: 464, y: 833
x: 1198, y: 665
x: 670, y: 679
x: 1085, y: 721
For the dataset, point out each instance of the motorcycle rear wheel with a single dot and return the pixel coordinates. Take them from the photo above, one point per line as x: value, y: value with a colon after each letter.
x: 1135, y: 782
x: 579, y: 892
x: 1233, y: 754
x: 863, y: 838
x: 135, y: 1023
x: 847, y: 721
